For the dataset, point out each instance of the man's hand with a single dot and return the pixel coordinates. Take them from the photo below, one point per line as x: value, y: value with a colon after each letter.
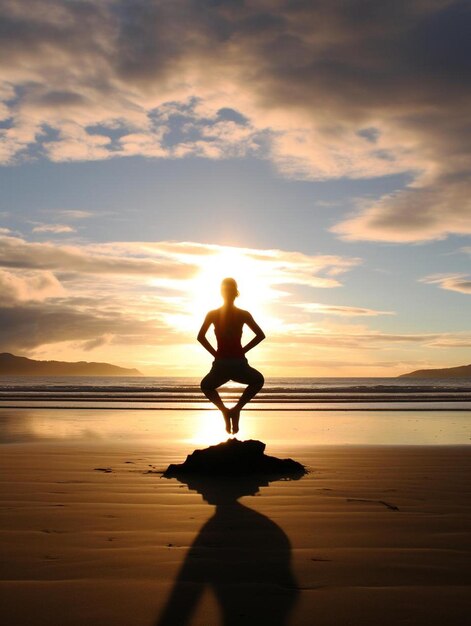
x: 259, y: 334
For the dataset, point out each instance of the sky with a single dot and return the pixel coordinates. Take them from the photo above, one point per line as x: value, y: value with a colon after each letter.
x: 316, y: 151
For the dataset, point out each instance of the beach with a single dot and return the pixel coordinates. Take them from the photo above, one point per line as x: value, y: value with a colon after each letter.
x: 91, y: 533
x: 267, y: 200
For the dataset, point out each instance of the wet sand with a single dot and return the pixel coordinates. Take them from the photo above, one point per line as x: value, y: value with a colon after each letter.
x: 91, y: 534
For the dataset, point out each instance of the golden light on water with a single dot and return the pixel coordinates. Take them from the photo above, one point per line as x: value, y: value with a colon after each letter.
x: 196, y: 428
x: 208, y: 429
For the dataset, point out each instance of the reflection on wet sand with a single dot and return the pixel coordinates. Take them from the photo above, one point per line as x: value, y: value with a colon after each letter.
x: 206, y: 427
x: 16, y: 427
x: 241, y: 555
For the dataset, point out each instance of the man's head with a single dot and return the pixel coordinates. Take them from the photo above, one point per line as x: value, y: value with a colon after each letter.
x: 229, y: 289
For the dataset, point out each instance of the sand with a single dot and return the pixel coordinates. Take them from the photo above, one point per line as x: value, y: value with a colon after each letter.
x: 373, y: 535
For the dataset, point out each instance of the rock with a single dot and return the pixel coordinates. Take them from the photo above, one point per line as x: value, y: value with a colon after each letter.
x: 236, y: 458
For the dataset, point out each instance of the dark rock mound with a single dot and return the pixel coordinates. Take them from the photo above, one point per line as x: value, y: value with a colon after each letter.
x: 236, y: 458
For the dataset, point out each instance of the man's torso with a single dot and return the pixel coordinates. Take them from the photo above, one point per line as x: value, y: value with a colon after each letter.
x: 228, y: 325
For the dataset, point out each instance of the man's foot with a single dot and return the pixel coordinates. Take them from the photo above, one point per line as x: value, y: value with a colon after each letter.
x: 234, y: 414
x: 227, y: 419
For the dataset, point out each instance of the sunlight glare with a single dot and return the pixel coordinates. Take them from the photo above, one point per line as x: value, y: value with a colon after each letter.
x: 209, y: 429
x: 253, y: 279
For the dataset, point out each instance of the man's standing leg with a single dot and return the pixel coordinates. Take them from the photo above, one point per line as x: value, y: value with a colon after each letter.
x: 255, y: 381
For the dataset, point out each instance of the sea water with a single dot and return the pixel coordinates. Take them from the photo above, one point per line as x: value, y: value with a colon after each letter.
x: 287, y: 411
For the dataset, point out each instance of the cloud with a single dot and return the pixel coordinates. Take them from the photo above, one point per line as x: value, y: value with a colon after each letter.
x: 172, y: 260
x: 420, y: 213
x: 92, y: 344
x: 452, y: 282
x: 24, y: 327
x: 291, y: 267
x: 361, y: 338
x: 322, y: 89
x: 91, y: 259
x: 348, y: 311
x: 74, y: 214
x: 27, y: 286
x: 56, y: 229
x: 389, y: 366
x: 137, y: 293
x: 147, y: 299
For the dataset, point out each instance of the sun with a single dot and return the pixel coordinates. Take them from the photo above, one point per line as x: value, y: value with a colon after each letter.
x: 254, y: 279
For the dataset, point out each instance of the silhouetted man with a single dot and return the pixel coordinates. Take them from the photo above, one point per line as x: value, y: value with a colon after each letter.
x: 230, y: 362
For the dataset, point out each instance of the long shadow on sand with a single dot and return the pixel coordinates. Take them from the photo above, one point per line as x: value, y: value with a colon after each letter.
x: 240, y: 554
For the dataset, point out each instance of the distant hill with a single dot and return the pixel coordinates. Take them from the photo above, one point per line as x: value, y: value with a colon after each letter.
x: 464, y: 371
x: 11, y: 365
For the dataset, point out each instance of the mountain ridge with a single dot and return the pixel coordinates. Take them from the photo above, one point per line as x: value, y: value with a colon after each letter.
x: 12, y: 365
x: 462, y: 371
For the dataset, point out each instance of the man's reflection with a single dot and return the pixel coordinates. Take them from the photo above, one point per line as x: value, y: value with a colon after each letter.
x: 242, y: 555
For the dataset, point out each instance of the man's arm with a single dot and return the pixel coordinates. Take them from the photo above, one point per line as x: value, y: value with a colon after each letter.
x: 259, y: 334
x: 208, y: 320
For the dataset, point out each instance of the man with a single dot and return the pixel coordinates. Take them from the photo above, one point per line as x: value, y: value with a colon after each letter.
x: 230, y: 362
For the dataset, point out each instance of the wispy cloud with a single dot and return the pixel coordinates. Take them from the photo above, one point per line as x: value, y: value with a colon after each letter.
x: 55, y: 229
x: 361, y: 338
x: 432, y: 208
x: 452, y: 282
x: 336, y: 309
x: 93, y: 259
x: 71, y: 214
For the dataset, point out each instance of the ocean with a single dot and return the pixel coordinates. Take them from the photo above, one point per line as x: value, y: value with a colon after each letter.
x: 287, y: 412
x: 178, y: 393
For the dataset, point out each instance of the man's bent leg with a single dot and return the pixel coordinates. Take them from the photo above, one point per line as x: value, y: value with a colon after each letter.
x: 255, y: 381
